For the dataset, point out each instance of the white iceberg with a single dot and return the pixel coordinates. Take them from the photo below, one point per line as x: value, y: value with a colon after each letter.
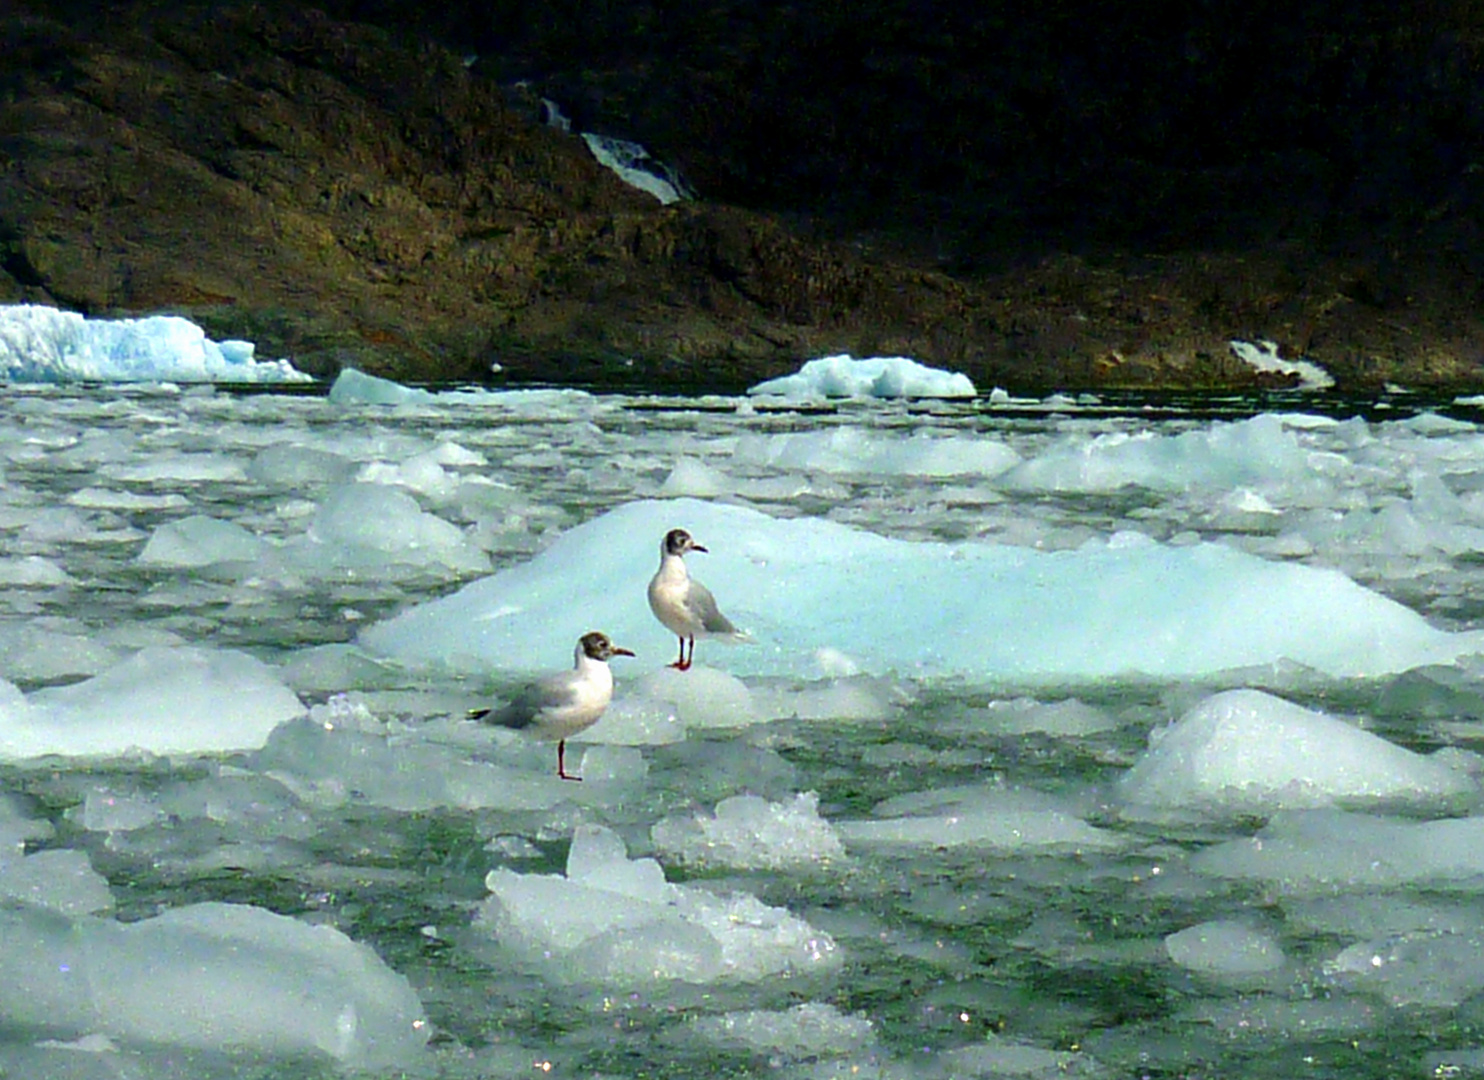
x: 844, y: 376
x: 808, y: 588
x: 1248, y: 752
x: 44, y: 344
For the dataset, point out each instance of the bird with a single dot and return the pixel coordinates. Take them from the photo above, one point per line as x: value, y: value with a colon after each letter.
x: 559, y: 705
x: 683, y: 604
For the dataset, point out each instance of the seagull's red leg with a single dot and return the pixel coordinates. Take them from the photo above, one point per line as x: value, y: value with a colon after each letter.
x: 680, y: 664
x: 562, y: 761
x: 685, y: 661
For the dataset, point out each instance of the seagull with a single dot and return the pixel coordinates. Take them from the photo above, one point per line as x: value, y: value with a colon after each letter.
x: 684, y: 605
x: 559, y: 705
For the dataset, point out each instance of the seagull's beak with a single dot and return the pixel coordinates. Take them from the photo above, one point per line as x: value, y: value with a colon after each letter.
x: 697, y: 547
x: 618, y: 650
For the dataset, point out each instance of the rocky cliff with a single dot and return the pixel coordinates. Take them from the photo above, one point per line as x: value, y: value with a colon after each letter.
x: 349, y: 186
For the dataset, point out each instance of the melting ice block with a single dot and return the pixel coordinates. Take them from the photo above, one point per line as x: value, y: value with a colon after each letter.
x: 162, y: 700
x: 1323, y: 851
x: 211, y: 977
x: 978, y: 816
x: 872, y: 376
x: 1248, y: 752
x: 1225, y: 947
x: 808, y: 1031
x: 616, y: 920
x: 748, y: 832
x: 808, y: 587
x: 1434, y: 969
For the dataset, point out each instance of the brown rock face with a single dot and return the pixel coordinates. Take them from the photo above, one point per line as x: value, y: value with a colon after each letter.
x: 346, y: 197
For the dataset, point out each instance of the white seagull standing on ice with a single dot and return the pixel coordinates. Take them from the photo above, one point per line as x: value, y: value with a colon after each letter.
x: 683, y: 604
x: 559, y: 705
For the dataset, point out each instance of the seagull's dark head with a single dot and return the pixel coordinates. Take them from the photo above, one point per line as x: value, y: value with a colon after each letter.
x: 596, y: 646
x: 678, y: 542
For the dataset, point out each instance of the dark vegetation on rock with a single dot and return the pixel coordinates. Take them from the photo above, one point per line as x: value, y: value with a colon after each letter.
x: 1053, y: 195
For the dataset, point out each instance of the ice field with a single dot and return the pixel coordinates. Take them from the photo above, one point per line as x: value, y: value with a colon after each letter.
x: 1070, y: 740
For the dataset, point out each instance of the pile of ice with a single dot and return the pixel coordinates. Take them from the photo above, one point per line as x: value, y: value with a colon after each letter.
x: 161, y: 700
x: 1245, y: 752
x: 211, y: 977
x: 750, y: 833
x: 843, y: 376
x: 811, y: 592
x: 43, y: 344
x: 616, y: 921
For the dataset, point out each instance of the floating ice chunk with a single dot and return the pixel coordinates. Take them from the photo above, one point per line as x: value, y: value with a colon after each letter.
x: 423, y: 473
x: 810, y: 1030
x: 1248, y: 752
x: 56, y: 524
x: 612, y: 764
x: 1255, y: 453
x: 876, y: 376
x: 334, y: 667
x: 199, y: 540
x: 162, y: 700
x: 696, y: 478
x: 612, y: 920
x: 633, y: 721
x: 751, y: 833
x: 291, y: 466
x: 105, y: 810
x: 369, y: 525
x: 60, y: 880
x: 1024, y: 716
x: 33, y: 572
x: 1304, y: 852
x: 859, y: 697
x: 703, y: 697
x: 847, y: 450
x: 1265, y: 1017
x: 1431, y: 969
x: 342, y: 754
x: 210, y: 977
x: 1225, y: 947
x: 43, y: 344
x: 181, y: 468
x: 998, y: 1056
x: 16, y: 824
x: 979, y: 816
x: 32, y: 652
x: 101, y: 498
x: 1097, y: 612
x: 356, y: 387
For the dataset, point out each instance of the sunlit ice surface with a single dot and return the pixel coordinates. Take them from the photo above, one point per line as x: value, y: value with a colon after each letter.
x: 1070, y: 739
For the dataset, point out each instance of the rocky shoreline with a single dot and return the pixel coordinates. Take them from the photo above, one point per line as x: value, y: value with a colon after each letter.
x: 350, y: 195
